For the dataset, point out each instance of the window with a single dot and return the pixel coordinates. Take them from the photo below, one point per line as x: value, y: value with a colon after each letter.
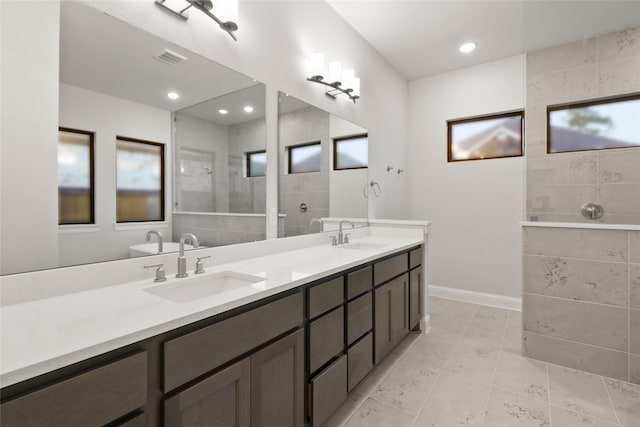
x: 351, y: 152
x: 305, y: 157
x: 594, y: 125
x: 256, y: 163
x: 75, y: 177
x: 139, y: 180
x: 485, y: 137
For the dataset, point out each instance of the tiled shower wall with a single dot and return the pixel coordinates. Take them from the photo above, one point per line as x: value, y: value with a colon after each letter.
x: 581, y: 299
x: 559, y: 184
x: 221, y: 230
x: 581, y: 290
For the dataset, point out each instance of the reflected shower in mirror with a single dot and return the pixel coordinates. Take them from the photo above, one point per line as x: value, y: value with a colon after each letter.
x: 323, y: 167
x: 220, y: 168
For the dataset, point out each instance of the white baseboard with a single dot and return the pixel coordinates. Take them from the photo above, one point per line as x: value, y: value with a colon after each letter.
x: 492, y: 300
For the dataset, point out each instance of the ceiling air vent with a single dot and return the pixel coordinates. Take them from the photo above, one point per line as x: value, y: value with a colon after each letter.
x: 169, y: 57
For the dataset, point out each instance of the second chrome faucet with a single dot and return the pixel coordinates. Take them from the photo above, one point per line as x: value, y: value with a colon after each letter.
x: 182, y: 260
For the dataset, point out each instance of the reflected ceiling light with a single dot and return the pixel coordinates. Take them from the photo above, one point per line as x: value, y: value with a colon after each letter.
x: 173, y: 95
x: 226, y: 11
x: 248, y: 109
x: 222, y: 111
x: 467, y: 47
x: 338, y: 80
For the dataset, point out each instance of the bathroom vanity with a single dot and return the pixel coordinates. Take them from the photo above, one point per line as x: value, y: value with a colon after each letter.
x: 283, y: 351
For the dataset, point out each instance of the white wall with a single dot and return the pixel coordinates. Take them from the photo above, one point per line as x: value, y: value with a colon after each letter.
x: 275, y: 39
x: 475, y: 206
x: 109, y: 117
x: 346, y: 187
x: 29, y: 120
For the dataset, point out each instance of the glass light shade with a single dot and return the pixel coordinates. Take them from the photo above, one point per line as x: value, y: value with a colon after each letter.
x: 347, y: 79
x: 355, y: 85
x: 316, y: 65
x: 226, y: 10
x: 335, y: 72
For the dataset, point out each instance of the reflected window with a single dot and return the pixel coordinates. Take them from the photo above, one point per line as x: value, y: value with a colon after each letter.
x: 75, y: 177
x: 485, y: 137
x: 305, y: 157
x: 351, y: 152
x: 594, y: 125
x: 139, y: 180
x: 256, y: 163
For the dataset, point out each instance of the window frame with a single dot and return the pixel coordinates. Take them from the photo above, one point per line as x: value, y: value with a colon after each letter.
x: 162, y: 178
x: 513, y: 113
x: 585, y: 104
x: 92, y: 186
x: 248, y: 155
x: 347, y: 138
x: 306, y: 144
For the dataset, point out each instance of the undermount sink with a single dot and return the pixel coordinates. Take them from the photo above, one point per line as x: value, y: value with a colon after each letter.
x: 187, y: 290
x: 362, y: 245
x: 144, y: 249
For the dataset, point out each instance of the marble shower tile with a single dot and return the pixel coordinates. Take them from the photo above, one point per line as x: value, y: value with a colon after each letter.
x: 581, y: 392
x: 570, y: 55
x: 626, y: 401
x: 619, y: 198
x: 619, y: 44
x: 565, y: 418
x: 376, y: 414
x: 599, y: 360
x: 603, y: 245
x: 562, y: 169
x: 521, y: 375
x: 559, y: 198
x: 634, y: 250
x: 634, y: 332
x: 556, y: 87
x: 619, y: 76
x: 455, y: 400
x: 634, y: 281
x: 509, y: 409
x: 594, y: 281
x: 619, y: 167
x: 634, y: 368
x: 601, y: 325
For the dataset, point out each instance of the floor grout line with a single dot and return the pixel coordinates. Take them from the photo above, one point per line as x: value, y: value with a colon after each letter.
x: 606, y: 390
x: 453, y: 350
x: 495, y: 370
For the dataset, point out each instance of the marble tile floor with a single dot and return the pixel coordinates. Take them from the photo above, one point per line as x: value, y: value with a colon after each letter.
x: 468, y: 371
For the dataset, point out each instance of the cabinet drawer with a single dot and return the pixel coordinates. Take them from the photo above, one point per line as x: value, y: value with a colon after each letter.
x: 392, y: 267
x: 415, y: 258
x: 326, y: 296
x: 360, y: 361
x: 359, y: 317
x: 326, y: 338
x: 328, y: 391
x: 198, y: 352
x: 137, y: 421
x: 359, y: 281
x: 96, y: 397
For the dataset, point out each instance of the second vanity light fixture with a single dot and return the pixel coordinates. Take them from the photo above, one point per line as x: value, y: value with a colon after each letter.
x: 226, y: 11
x: 339, y: 81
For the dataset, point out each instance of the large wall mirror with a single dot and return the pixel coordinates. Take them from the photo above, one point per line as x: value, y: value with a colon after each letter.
x: 117, y: 155
x: 323, y: 167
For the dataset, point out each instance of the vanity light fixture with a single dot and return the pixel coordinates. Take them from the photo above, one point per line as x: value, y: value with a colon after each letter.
x: 223, y: 111
x: 467, y: 47
x: 226, y: 11
x: 338, y: 80
x: 248, y: 109
x: 173, y: 95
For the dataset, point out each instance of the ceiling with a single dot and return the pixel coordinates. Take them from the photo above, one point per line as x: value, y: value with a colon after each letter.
x: 421, y: 37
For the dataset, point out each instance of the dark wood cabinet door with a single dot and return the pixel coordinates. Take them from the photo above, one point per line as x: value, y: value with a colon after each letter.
x: 400, y: 308
x: 415, y: 297
x: 277, y: 383
x: 383, y: 327
x: 223, y: 399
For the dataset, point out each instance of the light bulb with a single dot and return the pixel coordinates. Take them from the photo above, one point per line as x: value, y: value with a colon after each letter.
x: 335, y: 72
x: 356, y: 87
x: 316, y: 66
x: 347, y: 79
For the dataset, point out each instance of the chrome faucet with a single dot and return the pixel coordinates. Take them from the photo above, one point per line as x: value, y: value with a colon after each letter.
x: 182, y: 260
x: 157, y: 233
x: 343, y: 238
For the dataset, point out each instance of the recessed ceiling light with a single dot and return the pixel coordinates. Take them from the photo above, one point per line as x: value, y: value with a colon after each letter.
x: 173, y: 95
x: 467, y: 47
x: 223, y: 111
x: 248, y: 108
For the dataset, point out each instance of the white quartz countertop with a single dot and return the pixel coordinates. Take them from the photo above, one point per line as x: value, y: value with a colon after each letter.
x: 47, y: 334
